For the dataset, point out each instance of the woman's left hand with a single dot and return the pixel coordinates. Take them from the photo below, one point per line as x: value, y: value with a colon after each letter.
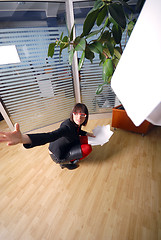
x: 90, y: 135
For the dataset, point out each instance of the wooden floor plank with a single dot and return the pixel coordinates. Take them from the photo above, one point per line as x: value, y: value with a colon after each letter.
x: 114, y: 194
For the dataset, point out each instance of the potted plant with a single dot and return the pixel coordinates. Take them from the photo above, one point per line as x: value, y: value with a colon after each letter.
x: 112, y: 17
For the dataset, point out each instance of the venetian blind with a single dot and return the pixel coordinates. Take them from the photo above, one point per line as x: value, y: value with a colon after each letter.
x: 91, y: 78
x: 38, y: 91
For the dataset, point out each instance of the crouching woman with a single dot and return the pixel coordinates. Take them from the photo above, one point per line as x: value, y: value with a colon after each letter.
x: 68, y: 144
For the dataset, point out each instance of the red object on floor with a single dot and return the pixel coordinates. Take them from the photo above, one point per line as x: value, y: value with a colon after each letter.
x: 85, y: 147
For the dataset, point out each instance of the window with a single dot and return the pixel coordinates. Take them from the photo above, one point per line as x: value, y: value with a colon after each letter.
x: 38, y: 91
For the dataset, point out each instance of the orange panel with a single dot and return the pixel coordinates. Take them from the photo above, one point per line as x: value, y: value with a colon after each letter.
x: 121, y: 120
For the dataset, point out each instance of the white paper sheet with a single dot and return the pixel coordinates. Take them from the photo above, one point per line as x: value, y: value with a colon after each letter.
x: 102, y: 135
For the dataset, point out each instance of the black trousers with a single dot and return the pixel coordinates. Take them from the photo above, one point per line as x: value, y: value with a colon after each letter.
x: 74, y: 153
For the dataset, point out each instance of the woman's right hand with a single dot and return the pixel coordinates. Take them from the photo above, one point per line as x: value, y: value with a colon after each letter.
x: 15, y: 137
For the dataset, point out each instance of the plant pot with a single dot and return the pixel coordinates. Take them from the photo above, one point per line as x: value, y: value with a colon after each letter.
x: 121, y: 120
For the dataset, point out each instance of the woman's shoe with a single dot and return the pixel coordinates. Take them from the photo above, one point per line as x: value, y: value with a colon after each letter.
x: 75, y: 161
x: 70, y: 166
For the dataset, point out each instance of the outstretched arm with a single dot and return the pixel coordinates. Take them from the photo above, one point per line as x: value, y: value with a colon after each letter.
x: 15, y: 137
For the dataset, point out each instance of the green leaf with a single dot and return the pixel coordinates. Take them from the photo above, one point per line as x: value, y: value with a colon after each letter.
x: 90, y: 21
x: 96, y: 47
x: 130, y: 27
x: 101, y: 15
x: 51, y: 49
x: 89, y: 54
x: 102, y: 58
x: 63, y: 45
x: 71, y: 54
x: 98, y: 4
x: 109, y: 80
x: 104, y: 77
x: 110, y: 47
x: 81, y: 61
x: 107, y: 69
x: 106, y: 52
x: 107, y: 23
x: 115, y: 62
x: 99, y: 89
x: 117, y: 33
x: 93, y: 33
x: 65, y: 39
x: 81, y: 45
x: 58, y: 42
x: 77, y: 40
x: 105, y: 37
x: 123, y: 2
x: 117, y: 53
x: 71, y: 34
x: 61, y: 36
x: 117, y: 14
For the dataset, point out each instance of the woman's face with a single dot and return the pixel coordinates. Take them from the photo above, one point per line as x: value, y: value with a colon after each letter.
x: 79, y: 117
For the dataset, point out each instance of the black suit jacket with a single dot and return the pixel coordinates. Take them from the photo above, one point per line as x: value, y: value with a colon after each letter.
x: 61, y: 140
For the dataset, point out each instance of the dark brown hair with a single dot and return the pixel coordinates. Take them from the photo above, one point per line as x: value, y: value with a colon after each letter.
x: 83, y: 108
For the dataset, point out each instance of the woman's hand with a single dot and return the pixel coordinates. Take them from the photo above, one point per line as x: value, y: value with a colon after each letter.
x: 15, y: 137
x: 90, y: 134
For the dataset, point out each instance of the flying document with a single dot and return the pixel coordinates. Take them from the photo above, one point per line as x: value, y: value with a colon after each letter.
x: 102, y: 135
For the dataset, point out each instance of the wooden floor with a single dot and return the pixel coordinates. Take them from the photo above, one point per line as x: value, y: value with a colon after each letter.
x: 115, y: 194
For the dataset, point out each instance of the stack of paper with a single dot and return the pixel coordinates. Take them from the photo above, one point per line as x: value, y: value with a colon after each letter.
x: 102, y: 135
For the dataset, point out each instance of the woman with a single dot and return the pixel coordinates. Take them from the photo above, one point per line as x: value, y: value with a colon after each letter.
x: 68, y: 144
